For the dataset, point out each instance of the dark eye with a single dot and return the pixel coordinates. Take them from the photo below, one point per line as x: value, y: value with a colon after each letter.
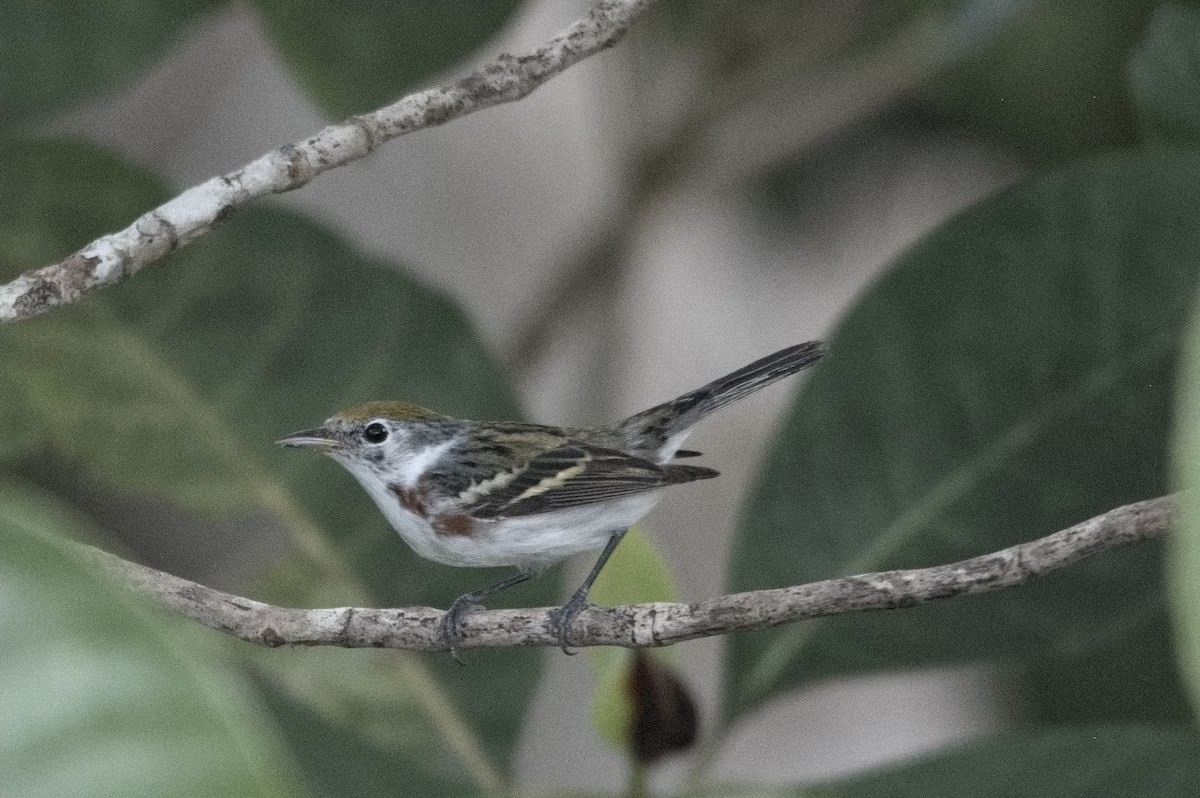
x: 375, y: 433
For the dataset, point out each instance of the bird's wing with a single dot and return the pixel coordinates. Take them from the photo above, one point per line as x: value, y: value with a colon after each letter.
x: 567, y: 476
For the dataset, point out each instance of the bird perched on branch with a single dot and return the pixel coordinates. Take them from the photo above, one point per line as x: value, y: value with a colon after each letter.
x: 486, y: 493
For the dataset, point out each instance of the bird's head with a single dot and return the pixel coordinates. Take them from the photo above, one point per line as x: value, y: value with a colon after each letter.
x: 383, y: 440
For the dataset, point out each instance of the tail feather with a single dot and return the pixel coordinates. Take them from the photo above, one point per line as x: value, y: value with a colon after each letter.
x: 678, y: 474
x: 751, y: 378
x: 661, y: 429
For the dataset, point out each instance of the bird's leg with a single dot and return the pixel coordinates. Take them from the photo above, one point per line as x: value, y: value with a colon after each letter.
x: 561, y: 619
x: 467, y: 603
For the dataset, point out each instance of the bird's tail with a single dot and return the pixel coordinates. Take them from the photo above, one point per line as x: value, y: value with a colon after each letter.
x: 661, y: 430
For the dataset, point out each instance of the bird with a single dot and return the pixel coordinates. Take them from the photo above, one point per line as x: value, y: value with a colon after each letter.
x: 507, y: 493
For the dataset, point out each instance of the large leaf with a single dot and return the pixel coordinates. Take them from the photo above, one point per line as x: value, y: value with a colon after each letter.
x: 347, y: 720
x: 1010, y: 376
x: 1164, y: 75
x: 1184, y: 546
x: 354, y: 57
x: 42, y: 188
x: 104, y: 696
x: 54, y: 54
x: 95, y: 390
x: 43, y: 216
x: 191, y: 371
x: 1053, y: 86
x: 1080, y: 762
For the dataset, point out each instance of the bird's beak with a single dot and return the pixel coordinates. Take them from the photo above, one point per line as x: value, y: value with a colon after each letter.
x: 318, y: 438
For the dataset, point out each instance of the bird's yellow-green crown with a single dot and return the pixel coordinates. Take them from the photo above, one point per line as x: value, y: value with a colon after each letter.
x: 385, y: 408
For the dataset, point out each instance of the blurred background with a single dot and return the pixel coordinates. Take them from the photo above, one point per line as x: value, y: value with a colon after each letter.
x: 725, y: 182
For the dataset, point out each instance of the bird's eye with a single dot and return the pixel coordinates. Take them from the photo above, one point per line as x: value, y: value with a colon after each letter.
x: 375, y: 433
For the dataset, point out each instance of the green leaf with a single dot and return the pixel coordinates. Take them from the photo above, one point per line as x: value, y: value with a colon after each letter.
x: 1051, y: 87
x: 104, y: 696
x: 1164, y: 76
x: 94, y: 390
x: 1010, y: 376
x: 355, y: 57
x: 84, y: 383
x: 636, y: 573
x: 345, y: 734
x: 1081, y: 762
x: 43, y: 185
x: 56, y: 54
x: 195, y: 367
x: 1183, y: 560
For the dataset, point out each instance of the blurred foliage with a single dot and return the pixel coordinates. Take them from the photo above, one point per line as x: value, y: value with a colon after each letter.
x: 1012, y: 374
x: 355, y: 729
x: 1183, y: 561
x: 1067, y: 762
x: 56, y: 54
x: 1165, y: 76
x: 103, y: 695
x: 1051, y: 85
x: 353, y: 57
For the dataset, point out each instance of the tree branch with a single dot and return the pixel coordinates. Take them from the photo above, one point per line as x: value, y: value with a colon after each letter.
x: 111, y: 258
x: 642, y: 625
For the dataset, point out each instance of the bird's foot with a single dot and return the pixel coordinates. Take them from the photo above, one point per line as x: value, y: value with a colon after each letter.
x: 452, y: 632
x: 562, y: 618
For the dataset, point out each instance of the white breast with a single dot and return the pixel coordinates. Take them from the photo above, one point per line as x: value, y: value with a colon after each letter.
x: 527, y: 542
x: 534, y: 542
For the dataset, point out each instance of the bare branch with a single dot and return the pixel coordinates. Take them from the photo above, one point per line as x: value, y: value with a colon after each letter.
x: 642, y: 625
x: 111, y: 258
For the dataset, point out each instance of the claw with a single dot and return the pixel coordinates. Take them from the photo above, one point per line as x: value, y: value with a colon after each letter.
x: 562, y: 618
x: 451, y: 625
x: 467, y: 603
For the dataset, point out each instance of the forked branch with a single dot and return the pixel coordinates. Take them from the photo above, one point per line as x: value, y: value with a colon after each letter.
x: 643, y: 625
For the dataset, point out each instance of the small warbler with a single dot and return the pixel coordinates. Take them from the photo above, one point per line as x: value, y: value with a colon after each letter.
x: 486, y: 493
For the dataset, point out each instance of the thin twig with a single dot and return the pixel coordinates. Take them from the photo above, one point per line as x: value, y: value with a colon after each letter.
x: 111, y: 258
x: 643, y: 625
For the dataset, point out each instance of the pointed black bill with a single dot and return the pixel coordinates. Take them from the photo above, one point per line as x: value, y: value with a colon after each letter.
x: 318, y: 438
